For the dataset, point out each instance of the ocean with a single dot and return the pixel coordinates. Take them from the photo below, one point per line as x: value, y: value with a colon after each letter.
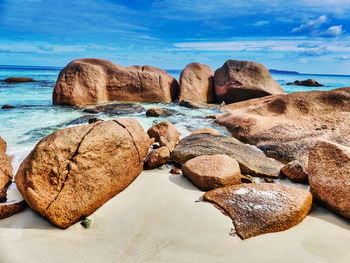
x: 35, y: 117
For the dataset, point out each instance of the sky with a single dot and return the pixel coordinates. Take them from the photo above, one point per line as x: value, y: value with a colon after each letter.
x: 309, y: 36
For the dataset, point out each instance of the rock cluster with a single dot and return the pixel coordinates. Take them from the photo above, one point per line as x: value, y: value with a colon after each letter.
x: 307, y: 83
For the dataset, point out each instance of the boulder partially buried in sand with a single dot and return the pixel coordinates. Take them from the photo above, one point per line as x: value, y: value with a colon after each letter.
x: 329, y: 176
x: 286, y: 126
x: 74, y: 171
x: 261, y: 208
x: 251, y: 160
x: 196, y: 83
x: 157, y: 157
x: 295, y: 171
x: 212, y: 171
x: 95, y: 81
x: 243, y: 80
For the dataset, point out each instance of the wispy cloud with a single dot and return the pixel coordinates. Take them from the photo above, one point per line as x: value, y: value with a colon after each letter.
x: 314, y: 28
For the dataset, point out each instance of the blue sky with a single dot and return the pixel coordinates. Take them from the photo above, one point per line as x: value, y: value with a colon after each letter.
x: 304, y: 35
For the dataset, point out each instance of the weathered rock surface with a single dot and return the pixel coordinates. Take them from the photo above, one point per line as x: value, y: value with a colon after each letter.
x: 115, y: 108
x: 5, y: 170
x: 286, y: 126
x: 251, y: 160
x: 307, y: 83
x: 243, y: 80
x: 165, y: 133
x: 212, y: 171
x: 262, y: 208
x: 95, y: 81
x: 74, y: 171
x: 18, y: 80
x: 158, y: 112
x: 196, y: 83
x: 295, y: 171
x: 329, y: 176
x: 157, y: 157
x: 206, y: 130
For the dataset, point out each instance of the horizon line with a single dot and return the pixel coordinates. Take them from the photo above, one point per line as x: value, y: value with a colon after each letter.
x: 277, y: 71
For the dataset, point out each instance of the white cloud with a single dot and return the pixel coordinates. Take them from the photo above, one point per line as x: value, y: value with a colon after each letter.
x: 333, y: 31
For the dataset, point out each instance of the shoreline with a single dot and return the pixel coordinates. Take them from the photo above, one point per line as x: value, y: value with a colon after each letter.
x: 157, y: 219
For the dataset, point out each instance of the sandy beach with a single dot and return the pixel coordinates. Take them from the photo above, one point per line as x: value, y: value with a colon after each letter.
x: 157, y: 219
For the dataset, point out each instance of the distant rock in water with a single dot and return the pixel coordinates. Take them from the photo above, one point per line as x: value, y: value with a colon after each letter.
x: 96, y: 81
x: 306, y: 83
x: 158, y: 112
x: 7, y: 106
x: 286, y: 126
x: 261, y: 208
x: 243, y: 80
x: 116, y: 108
x: 18, y: 80
x: 196, y: 83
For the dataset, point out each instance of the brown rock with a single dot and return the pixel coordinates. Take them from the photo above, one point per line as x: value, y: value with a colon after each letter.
x: 196, y: 105
x: 7, y: 210
x: 307, y: 83
x: 212, y: 171
x: 295, y: 171
x: 5, y: 170
x: 18, y: 80
x: 165, y: 133
x: 158, y: 112
x: 286, y: 126
x: 206, y: 130
x: 157, y: 157
x: 329, y: 176
x: 251, y: 160
x: 243, y: 80
x: 7, y: 106
x: 196, y: 83
x: 74, y: 171
x: 262, y: 208
x: 175, y: 171
x: 95, y: 81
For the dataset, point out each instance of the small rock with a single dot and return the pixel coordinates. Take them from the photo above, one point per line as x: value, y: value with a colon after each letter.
x: 175, y: 171
x: 7, y: 106
x: 157, y: 158
x: 158, y: 112
x: 295, y: 171
x: 93, y: 120
x: 212, y: 171
x: 196, y: 105
x: 8, y: 210
x: 18, y: 80
x: 165, y: 133
x: 116, y: 108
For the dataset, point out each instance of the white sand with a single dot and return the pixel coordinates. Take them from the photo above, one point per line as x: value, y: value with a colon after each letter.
x: 156, y: 219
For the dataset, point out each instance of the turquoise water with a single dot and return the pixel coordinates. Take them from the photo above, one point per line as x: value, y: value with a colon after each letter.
x: 36, y: 117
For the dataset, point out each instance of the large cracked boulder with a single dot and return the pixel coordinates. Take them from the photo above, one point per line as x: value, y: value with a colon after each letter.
x: 251, y: 160
x: 286, y: 126
x: 212, y: 171
x: 74, y: 171
x: 5, y: 170
x: 261, y: 208
x: 95, y: 81
x: 243, y: 80
x: 196, y: 83
x: 329, y: 176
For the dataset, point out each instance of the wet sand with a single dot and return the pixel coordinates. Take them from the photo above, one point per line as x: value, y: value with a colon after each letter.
x: 157, y: 219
